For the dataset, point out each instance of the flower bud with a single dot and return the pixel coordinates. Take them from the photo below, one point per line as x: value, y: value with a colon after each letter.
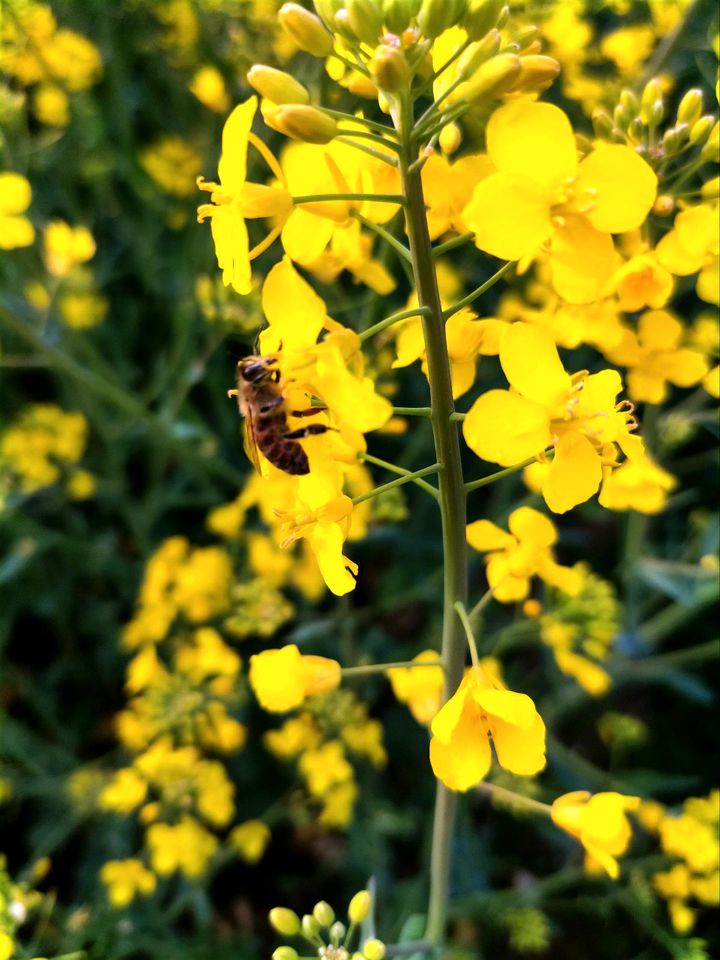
x: 337, y: 932
x: 492, y: 78
x: 636, y: 131
x: 327, y: 9
x: 602, y: 123
x: 700, y: 130
x: 711, y: 189
x: 536, y: 73
x: 664, y: 205
x: 285, y: 921
x: 523, y: 38
x: 674, y: 138
x: 629, y: 102
x: 324, y: 914
x: 656, y: 113
x: 359, y: 907
x: 276, y: 85
x: 622, y: 117
x: 397, y: 14
x: 690, y: 107
x: 481, y: 16
x: 478, y: 53
x: 365, y: 19
x: 503, y: 17
x: 436, y: 16
x: 285, y: 953
x: 306, y: 29
x: 710, y: 153
x: 450, y: 138
x: 301, y: 122
x: 651, y: 94
x: 310, y: 927
x: 341, y: 24
x: 389, y: 68
x: 374, y: 950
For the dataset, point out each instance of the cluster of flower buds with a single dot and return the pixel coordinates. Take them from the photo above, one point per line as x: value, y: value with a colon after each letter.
x: 329, y: 939
x: 637, y: 122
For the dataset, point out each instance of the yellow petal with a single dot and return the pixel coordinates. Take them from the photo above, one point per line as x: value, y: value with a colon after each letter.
x: 509, y: 215
x: 484, y: 535
x: 293, y: 309
x: 504, y: 428
x: 619, y: 185
x: 447, y: 718
x: 352, y: 400
x: 15, y: 193
x: 533, y: 139
x: 232, y: 168
x: 231, y: 248
x: 574, y: 475
x: 464, y: 761
x: 531, y: 363
x: 532, y: 527
x: 326, y: 541
x: 513, y: 708
x: 305, y: 236
x: 581, y: 261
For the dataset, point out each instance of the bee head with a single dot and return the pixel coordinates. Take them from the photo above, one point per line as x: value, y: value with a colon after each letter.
x: 253, y: 369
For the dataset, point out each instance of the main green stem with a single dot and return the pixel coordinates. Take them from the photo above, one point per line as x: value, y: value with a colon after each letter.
x: 451, y: 497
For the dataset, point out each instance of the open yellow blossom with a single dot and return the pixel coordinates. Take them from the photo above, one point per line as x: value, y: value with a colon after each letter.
x: 481, y: 711
x: 447, y: 187
x: 125, y: 879
x: 541, y: 197
x: 692, y: 246
x: 124, y: 793
x: 655, y: 357
x: 599, y: 822
x: 234, y: 199
x: 66, y: 247
x: 250, y: 839
x: 185, y: 846
x: 324, y: 767
x: 282, y: 679
x: 639, y: 484
x: 15, y: 196
x: 578, y: 415
x: 515, y: 557
x: 420, y: 688
x: 642, y: 282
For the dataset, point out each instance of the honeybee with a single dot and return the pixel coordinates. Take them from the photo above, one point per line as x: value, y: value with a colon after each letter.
x: 262, y: 404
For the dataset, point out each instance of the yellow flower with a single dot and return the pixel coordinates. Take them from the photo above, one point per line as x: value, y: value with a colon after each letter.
x: 82, y: 309
x: 364, y: 739
x: 186, y: 846
x: 338, y: 803
x: 420, y: 688
x: 692, y: 246
x: 282, y: 679
x: 638, y: 484
x: 51, y: 105
x: 599, y: 822
x: 515, y: 557
x: 324, y: 767
x: 448, y: 187
x: 642, y: 282
x: 696, y: 842
x: 74, y: 59
x: 125, y: 879
x: 66, y: 247
x: 629, y: 47
x: 208, y: 86
x: 250, y: 839
x: 15, y: 197
x: 124, y: 793
x: 578, y: 415
x: 234, y: 199
x: 479, y: 711
x: 207, y: 655
x: 541, y: 197
x: 7, y: 946
x: 654, y: 357
x: 202, y: 584
x: 173, y: 164
x: 81, y: 485
x: 293, y: 737
x: 590, y: 676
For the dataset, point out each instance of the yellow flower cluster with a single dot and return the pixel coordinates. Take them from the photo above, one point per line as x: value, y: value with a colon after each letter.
x: 173, y: 164
x: 37, y: 53
x: 17, y: 901
x: 319, y: 738
x: 580, y: 630
x: 41, y: 447
x: 691, y: 837
x: 15, y: 197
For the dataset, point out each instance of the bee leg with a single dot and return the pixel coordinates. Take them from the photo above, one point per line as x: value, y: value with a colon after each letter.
x: 310, y: 412
x: 312, y: 430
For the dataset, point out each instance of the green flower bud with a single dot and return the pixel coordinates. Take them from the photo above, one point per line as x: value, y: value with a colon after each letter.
x: 310, y: 927
x: 492, y: 78
x: 711, y: 189
x: 436, y: 16
x: 301, y: 122
x: 690, y: 107
x: 306, y: 29
x: 285, y: 921
x: 537, y: 73
x: 327, y: 10
x: 478, y: 53
x: 602, y: 123
x: 629, y: 101
x: 389, y: 68
x: 359, y: 907
x: 324, y: 914
x: 397, y: 14
x: 710, y: 153
x: 337, y: 932
x: 650, y: 96
x: 503, y: 17
x: 365, y: 19
x: 276, y: 85
x: 622, y: 117
x: 636, y: 131
x: 656, y: 113
x: 700, y: 130
x: 341, y: 24
x: 523, y: 38
x: 285, y: 953
x: 481, y: 16
x: 374, y: 950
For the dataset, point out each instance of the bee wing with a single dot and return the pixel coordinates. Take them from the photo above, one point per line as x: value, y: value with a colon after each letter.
x: 250, y: 440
